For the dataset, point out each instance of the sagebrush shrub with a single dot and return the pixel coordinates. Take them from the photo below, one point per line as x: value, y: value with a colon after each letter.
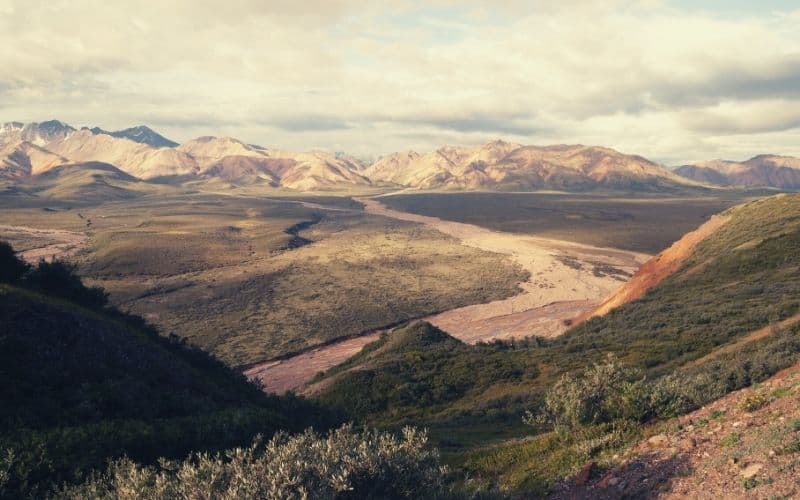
x: 604, y: 393
x: 343, y: 464
x: 753, y: 401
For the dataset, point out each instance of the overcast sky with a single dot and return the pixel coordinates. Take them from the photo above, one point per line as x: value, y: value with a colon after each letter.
x: 673, y: 80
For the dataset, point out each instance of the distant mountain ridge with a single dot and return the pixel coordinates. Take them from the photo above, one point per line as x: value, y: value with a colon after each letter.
x: 782, y: 172
x: 30, y: 149
x: 504, y: 165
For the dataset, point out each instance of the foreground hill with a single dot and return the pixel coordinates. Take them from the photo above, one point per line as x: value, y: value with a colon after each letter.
x: 782, y: 172
x: 696, y: 334
x: 744, y: 445
x: 508, y: 166
x: 83, y: 383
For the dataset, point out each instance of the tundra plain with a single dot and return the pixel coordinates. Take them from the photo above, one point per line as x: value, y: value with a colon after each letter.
x: 256, y: 277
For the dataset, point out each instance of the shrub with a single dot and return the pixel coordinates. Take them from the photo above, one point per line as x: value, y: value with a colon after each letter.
x: 6, y: 461
x: 753, y: 401
x: 343, y: 464
x: 607, y: 392
x: 731, y: 439
x: 12, y: 268
x: 59, y: 279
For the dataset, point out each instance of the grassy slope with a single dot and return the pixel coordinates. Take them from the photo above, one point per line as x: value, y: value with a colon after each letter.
x: 80, y: 386
x: 718, y: 296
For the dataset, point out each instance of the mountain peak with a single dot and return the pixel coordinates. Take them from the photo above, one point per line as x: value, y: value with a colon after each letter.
x: 141, y: 134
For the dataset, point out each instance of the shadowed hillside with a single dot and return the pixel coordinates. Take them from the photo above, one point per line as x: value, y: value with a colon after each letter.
x: 83, y: 383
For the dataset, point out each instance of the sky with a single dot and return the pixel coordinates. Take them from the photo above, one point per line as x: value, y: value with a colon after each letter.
x: 672, y: 80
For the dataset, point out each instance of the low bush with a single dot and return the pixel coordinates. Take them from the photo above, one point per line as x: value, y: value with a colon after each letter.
x: 753, y: 401
x: 608, y: 392
x: 59, y: 279
x: 343, y: 464
x: 12, y: 268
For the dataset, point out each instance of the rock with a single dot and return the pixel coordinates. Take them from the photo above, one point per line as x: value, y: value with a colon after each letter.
x: 658, y: 441
x: 607, y: 481
x: 586, y: 472
x: 751, y: 470
x: 737, y: 424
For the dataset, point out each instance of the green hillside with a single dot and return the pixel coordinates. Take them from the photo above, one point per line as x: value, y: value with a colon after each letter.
x: 85, y: 383
x: 744, y: 277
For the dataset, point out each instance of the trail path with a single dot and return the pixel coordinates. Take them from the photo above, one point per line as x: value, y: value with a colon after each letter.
x: 67, y: 243
x: 566, y: 280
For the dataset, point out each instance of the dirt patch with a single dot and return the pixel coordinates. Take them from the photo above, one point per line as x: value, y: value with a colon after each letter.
x: 56, y: 243
x: 283, y: 375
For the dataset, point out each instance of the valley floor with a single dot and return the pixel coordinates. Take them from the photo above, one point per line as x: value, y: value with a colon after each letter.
x: 566, y: 280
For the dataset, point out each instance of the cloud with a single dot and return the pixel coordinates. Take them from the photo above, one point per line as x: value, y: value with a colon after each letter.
x: 310, y: 123
x: 734, y: 118
x: 647, y: 76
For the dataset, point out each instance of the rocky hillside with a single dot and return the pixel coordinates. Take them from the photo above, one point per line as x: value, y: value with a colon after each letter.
x: 781, y: 172
x: 509, y: 166
x: 745, y: 445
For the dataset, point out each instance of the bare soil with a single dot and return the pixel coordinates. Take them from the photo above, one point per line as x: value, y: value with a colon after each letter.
x: 54, y: 243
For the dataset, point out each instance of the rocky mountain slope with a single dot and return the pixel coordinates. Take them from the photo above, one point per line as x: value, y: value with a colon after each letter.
x: 141, y: 134
x: 782, y: 172
x: 509, y: 166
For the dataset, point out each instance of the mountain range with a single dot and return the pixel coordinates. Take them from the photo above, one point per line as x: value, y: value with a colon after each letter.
x: 763, y: 170
x: 28, y: 150
x: 509, y: 166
